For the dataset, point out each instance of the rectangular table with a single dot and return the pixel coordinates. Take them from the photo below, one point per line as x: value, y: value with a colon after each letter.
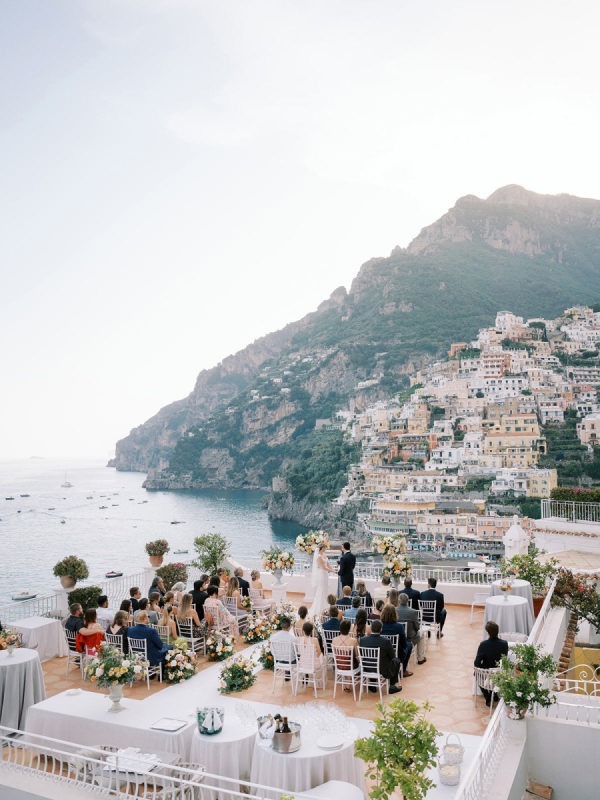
x: 43, y: 634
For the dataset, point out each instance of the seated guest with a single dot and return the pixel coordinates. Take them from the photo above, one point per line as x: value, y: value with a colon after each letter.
x: 346, y: 640
x: 393, y: 596
x: 413, y: 634
x: 233, y: 591
x: 244, y: 585
x: 381, y: 591
x: 169, y: 597
x: 185, y: 613
x: 413, y: 594
x: 154, y: 606
x: 127, y: 607
x: 92, y: 633
x: 391, y: 627
x: 438, y: 597
x: 223, y: 574
x: 143, y: 604
x: 216, y: 615
x: 103, y: 614
x: 255, y: 581
x: 157, y: 585
x: 346, y: 598
x: 215, y: 580
x: 301, y: 619
x: 178, y: 590
x: 489, y: 654
x: 74, y: 623
x: 285, y: 635
x: 166, y: 620
x: 331, y: 600
x: 333, y: 622
x: 155, y: 647
x: 119, y: 628
x: 365, y: 596
x: 389, y: 664
x: 350, y: 613
x: 375, y: 612
x: 135, y: 594
x: 360, y: 627
x: 199, y: 595
x: 307, y: 633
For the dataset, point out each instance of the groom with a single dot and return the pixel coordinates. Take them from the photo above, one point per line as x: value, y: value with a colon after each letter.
x: 346, y: 563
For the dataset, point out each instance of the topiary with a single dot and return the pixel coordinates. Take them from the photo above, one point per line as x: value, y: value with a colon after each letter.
x: 73, y: 566
x: 87, y: 596
x: 175, y: 572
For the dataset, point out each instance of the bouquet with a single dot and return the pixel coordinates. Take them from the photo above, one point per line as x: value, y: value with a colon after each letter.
x: 389, y: 546
x: 9, y: 638
x: 397, y: 567
x: 284, y: 610
x: 264, y: 656
x: 505, y: 585
x: 111, y: 668
x: 180, y: 664
x: 246, y: 602
x: 258, y: 629
x: 219, y: 646
x: 311, y: 541
x: 276, y: 558
x: 237, y: 674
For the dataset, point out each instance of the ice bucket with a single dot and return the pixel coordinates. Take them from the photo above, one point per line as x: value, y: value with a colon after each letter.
x: 288, y: 742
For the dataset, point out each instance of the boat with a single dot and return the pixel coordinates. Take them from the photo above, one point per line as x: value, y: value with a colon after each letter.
x: 66, y: 484
x: 25, y: 495
x: 177, y: 522
x: 9, y: 498
x: 25, y: 595
x: 180, y: 552
x: 112, y: 574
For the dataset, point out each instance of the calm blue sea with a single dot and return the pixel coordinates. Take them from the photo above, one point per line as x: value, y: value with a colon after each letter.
x: 106, y: 517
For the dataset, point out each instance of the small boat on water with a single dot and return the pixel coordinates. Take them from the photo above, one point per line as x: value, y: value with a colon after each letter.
x: 9, y: 498
x: 112, y: 574
x: 177, y: 522
x: 25, y: 495
x: 24, y: 595
x: 180, y: 552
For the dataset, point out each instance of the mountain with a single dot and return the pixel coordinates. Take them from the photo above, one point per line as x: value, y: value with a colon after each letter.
x: 256, y: 411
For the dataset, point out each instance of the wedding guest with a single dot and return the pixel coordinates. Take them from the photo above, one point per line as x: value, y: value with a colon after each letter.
x: 103, y: 614
x: 75, y: 622
x: 360, y: 627
x: 143, y: 604
x: 178, y: 589
x: 119, y: 627
x: 216, y: 615
x: 285, y: 636
x: 413, y: 594
x: 307, y: 633
x: 346, y: 640
x: 256, y: 582
x: 331, y: 600
x: 199, y: 594
x: 92, y: 633
x: 185, y: 613
x: 154, y: 606
x: 362, y: 592
x: 333, y: 622
x: 223, y: 574
x: 350, y: 613
x: 169, y: 598
x: 166, y: 620
x: 389, y: 664
x: 301, y: 619
x: 489, y: 655
x: 440, y: 612
x: 155, y: 647
x: 157, y: 585
x: 382, y: 589
x: 244, y: 585
x: 375, y: 612
x: 135, y: 594
x: 233, y: 591
x: 413, y: 634
x: 345, y: 599
x: 391, y: 627
x: 127, y: 607
x: 393, y: 598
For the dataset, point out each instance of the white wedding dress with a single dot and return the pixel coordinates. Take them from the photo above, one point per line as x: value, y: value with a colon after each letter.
x: 320, y: 577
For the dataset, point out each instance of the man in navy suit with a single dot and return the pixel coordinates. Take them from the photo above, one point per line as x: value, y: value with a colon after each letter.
x: 489, y: 654
x: 333, y: 623
x: 389, y: 664
x: 440, y: 611
x: 413, y: 594
x: 346, y: 566
x: 155, y: 649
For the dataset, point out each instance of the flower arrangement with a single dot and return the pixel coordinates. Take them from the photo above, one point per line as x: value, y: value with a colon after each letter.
x: 518, y: 680
x: 237, y: 674
x: 389, y: 546
x: 219, y: 647
x: 264, y: 656
x: 284, y: 610
x: 258, y: 629
x: 158, y: 547
x: 111, y: 668
x: 276, y: 558
x: 311, y: 541
x: 9, y: 638
x: 180, y: 663
x: 505, y: 585
x: 246, y: 602
x: 397, y: 567
x: 175, y: 572
x: 528, y: 567
x: 72, y: 567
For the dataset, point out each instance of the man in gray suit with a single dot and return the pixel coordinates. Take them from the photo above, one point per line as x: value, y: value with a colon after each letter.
x: 413, y: 634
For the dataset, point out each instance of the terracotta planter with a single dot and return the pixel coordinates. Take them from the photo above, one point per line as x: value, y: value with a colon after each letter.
x: 156, y: 561
x: 538, y: 602
x: 67, y: 582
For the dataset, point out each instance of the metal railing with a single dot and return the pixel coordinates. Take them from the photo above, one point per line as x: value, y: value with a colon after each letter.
x: 43, y: 606
x: 581, y: 713
x: 581, y: 679
x: 86, y: 768
x: 571, y: 510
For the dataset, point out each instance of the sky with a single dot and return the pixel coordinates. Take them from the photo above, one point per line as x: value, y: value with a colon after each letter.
x: 180, y: 177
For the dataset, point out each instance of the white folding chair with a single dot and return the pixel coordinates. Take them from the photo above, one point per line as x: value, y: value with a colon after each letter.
x: 73, y: 656
x: 141, y: 646
x: 241, y: 617
x: 369, y: 671
x: 484, y: 679
x: 259, y: 602
x: 115, y: 640
x: 479, y: 599
x: 394, y: 638
x: 427, y: 609
x: 328, y: 637
x: 345, y: 673
x: 284, y: 662
x: 195, y: 641
x: 306, y: 664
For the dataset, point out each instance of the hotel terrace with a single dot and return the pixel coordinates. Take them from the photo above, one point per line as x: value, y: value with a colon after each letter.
x: 61, y: 749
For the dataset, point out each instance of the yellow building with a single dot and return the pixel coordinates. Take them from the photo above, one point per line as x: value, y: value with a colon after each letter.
x: 516, y: 439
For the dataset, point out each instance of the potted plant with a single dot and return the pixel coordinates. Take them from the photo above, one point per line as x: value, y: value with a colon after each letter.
x: 518, y: 680
x: 399, y: 751
x: 212, y: 550
x: 70, y: 570
x: 156, y: 550
x: 175, y: 572
x: 528, y: 567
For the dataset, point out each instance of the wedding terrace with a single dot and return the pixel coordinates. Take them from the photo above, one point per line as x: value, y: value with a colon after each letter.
x: 64, y: 747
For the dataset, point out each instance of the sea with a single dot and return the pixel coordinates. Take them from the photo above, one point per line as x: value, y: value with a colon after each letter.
x: 52, y: 508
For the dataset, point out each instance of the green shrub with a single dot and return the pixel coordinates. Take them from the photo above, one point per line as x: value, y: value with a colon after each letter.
x: 174, y: 572
x: 73, y: 566
x: 87, y: 596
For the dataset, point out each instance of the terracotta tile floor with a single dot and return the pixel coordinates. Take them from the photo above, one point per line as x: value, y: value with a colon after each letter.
x: 445, y: 680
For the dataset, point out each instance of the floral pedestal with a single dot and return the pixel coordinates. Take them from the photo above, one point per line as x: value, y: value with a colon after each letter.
x: 278, y: 574
x: 10, y: 648
x: 116, y: 695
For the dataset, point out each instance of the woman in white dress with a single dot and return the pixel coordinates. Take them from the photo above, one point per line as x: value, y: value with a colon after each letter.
x: 320, y: 575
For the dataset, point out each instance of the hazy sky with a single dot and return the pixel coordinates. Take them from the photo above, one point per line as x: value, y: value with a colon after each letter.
x: 180, y: 177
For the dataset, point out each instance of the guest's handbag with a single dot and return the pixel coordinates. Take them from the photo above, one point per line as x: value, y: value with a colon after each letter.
x: 210, y: 720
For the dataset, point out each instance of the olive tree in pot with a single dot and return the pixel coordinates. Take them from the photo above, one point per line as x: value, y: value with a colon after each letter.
x: 399, y: 751
x: 212, y: 549
x: 71, y: 569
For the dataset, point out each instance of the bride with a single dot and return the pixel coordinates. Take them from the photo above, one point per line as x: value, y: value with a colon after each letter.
x: 320, y: 574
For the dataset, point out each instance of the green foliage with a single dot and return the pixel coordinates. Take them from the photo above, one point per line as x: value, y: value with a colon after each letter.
x: 158, y: 547
x: 320, y: 470
x: 528, y: 567
x: 567, y: 493
x: 399, y: 751
x: 212, y: 549
x: 175, y: 572
x: 73, y: 566
x: 87, y: 596
x: 579, y: 594
x: 518, y: 681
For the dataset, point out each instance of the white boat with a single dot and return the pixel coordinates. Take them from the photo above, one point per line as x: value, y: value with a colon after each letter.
x: 66, y: 484
x: 25, y: 595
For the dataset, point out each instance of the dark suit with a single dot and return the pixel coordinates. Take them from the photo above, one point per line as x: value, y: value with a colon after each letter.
x: 332, y: 624
x: 411, y: 617
x: 404, y: 647
x: 389, y: 665
x: 154, y: 645
x: 198, y: 598
x: 489, y: 654
x: 347, y: 563
x: 440, y: 611
x: 74, y: 624
x: 244, y: 587
x: 413, y: 595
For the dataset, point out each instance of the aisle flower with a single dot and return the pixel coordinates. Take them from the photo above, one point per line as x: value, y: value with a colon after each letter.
x: 237, y: 674
x: 180, y: 663
x: 258, y: 629
x: 219, y: 646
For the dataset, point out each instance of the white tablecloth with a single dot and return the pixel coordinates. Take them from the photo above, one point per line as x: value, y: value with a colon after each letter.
x: 511, y: 613
x: 21, y: 685
x: 45, y: 635
x: 228, y: 753
x: 84, y: 718
x: 520, y: 588
x: 309, y: 766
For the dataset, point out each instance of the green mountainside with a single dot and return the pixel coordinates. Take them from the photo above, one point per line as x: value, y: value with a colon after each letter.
x: 254, y: 414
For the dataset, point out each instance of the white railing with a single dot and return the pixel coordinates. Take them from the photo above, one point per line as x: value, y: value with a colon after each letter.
x: 117, y: 589
x: 571, y: 510
x: 67, y: 763
x: 581, y: 679
x: 541, y: 617
x: 482, y: 771
x: 581, y: 713
x: 46, y: 605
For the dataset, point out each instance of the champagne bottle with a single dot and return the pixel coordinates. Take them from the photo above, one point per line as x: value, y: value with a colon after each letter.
x: 285, y: 728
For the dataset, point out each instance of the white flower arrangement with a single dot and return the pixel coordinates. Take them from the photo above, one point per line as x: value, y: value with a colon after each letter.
x: 111, y: 668
x: 276, y: 558
x: 237, y: 674
x: 219, y: 646
x: 311, y: 541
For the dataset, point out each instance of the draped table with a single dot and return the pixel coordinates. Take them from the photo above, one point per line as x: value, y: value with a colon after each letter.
x: 21, y: 685
x: 513, y: 614
x: 520, y: 588
x: 228, y: 753
x: 43, y: 634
